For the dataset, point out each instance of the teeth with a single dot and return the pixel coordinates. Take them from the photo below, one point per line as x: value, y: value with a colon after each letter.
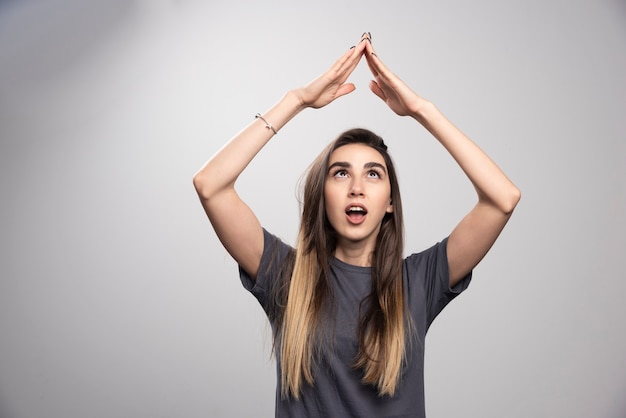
x: 356, y: 209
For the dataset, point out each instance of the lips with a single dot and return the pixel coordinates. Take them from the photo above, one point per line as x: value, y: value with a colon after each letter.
x: 356, y: 213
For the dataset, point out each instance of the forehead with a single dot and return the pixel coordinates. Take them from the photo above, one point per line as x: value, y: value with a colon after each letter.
x: 356, y: 155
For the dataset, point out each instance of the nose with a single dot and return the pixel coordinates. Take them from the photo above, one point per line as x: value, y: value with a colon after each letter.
x: 356, y: 188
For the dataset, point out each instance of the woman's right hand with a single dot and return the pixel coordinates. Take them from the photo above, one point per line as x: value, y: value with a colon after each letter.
x: 332, y: 84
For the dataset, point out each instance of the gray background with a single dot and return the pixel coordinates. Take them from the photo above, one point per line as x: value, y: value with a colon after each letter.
x: 116, y: 299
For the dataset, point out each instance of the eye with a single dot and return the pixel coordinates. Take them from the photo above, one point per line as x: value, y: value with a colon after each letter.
x: 340, y: 173
x: 373, y: 174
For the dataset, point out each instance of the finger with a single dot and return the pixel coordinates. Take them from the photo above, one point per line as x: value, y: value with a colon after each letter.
x: 375, y: 88
x: 343, y: 59
x: 345, y: 89
x: 371, y: 58
x: 377, y: 66
x: 348, y: 65
x: 344, y: 66
x: 357, y: 53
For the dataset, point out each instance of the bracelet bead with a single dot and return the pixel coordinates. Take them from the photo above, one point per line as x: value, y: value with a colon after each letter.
x: 267, y: 124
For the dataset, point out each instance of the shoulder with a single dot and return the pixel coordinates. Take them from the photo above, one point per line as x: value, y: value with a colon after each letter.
x: 270, y: 285
x: 427, y: 278
x: 272, y: 242
x: 431, y: 257
x: 276, y: 255
x: 429, y: 269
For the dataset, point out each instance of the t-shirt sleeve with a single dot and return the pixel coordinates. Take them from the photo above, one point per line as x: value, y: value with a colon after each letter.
x: 275, y: 252
x: 429, y: 277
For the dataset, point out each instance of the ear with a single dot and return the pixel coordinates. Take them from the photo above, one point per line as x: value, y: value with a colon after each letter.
x: 390, y: 207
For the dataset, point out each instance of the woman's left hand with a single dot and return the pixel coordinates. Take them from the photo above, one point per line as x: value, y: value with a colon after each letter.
x: 472, y: 238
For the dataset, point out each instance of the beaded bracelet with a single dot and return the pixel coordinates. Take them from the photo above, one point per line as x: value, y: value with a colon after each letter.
x: 267, y: 124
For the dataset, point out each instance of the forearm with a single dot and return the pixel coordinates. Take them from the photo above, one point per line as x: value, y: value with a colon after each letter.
x: 223, y: 169
x: 492, y: 185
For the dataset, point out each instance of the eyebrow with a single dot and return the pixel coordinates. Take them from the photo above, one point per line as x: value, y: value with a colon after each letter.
x: 345, y: 164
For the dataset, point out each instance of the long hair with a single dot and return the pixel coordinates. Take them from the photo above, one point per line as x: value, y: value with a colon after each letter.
x: 383, y: 318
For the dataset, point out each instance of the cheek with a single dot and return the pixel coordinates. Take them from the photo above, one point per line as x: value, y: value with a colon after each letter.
x: 330, y: 206
x: 385, y: 201
x: 333, y: 205
x: 329, y: 195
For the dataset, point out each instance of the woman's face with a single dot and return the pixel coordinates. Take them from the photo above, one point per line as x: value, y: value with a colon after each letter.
x: 357, y: 193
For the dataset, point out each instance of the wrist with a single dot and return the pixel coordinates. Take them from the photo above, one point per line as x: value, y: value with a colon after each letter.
x: 282, y: 112
x: 295, y: 96
x: 423, y: 111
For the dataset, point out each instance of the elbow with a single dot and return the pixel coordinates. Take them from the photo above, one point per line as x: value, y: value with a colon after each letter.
x: 201, y: 185
x: 512, y: 199
x: 504, y: 201
x: 207, y: 187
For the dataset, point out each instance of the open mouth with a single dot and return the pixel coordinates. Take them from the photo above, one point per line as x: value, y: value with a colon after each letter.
x: 356, y: 214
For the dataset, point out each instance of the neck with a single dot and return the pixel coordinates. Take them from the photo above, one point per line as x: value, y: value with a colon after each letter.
x: 356, y: 254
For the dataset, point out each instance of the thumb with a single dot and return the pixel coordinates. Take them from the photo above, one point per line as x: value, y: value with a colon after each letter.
x: 375, y: 88
x: 345, y: 89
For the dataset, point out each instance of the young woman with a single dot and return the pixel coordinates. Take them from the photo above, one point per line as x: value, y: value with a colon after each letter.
x: 349, y: 312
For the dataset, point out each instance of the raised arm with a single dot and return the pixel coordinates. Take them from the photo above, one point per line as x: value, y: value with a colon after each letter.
x: 235, y: 224
x: 472, y: 238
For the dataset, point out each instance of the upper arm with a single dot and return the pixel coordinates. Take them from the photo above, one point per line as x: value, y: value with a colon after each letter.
x: 472, y: 238
x: 237, y: 227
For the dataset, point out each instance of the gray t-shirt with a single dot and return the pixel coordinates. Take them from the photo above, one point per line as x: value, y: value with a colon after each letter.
x: 338, y: 390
